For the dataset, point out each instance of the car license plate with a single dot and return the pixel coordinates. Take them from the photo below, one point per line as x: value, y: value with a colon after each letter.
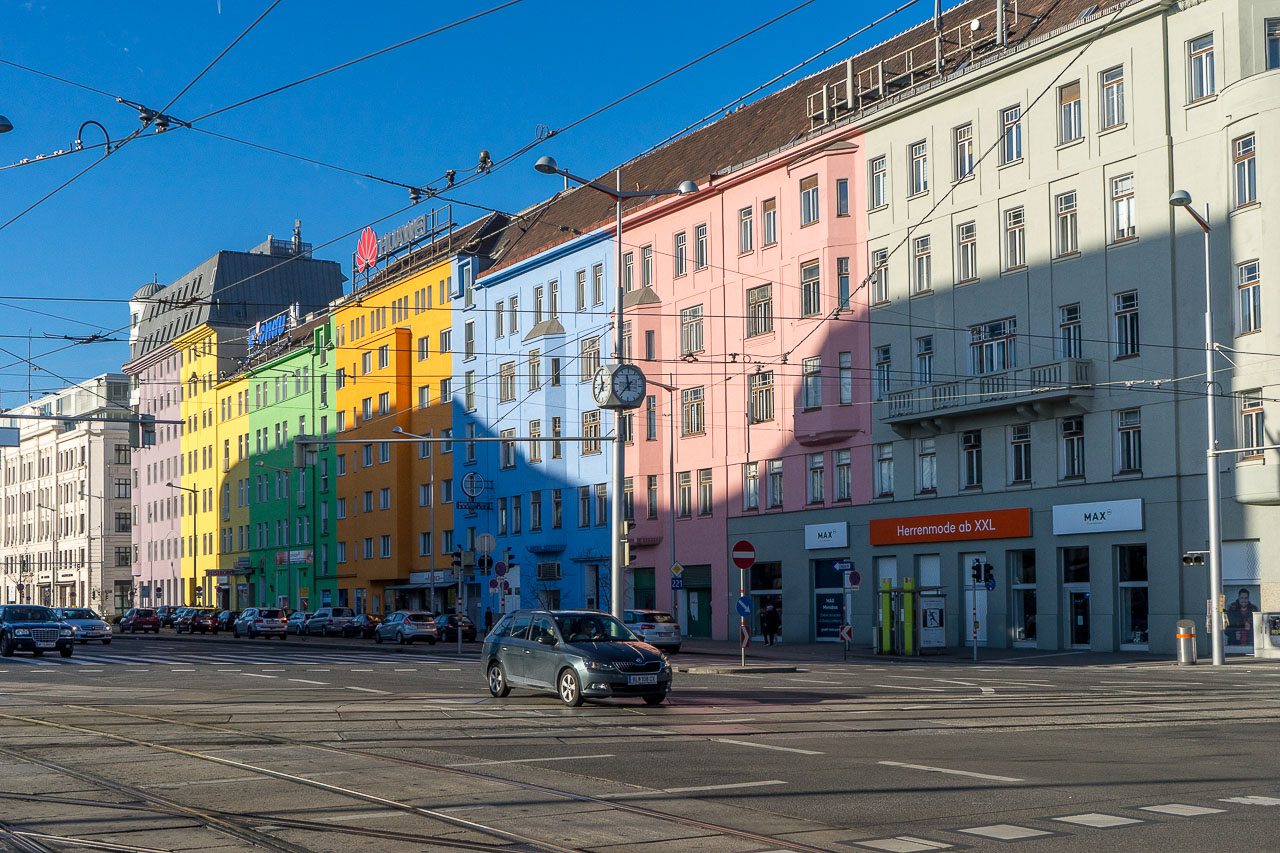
x: 642, y: 679
x: 45, y: 644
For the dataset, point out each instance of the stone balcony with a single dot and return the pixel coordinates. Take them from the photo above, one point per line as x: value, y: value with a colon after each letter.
x: 1038, y: 387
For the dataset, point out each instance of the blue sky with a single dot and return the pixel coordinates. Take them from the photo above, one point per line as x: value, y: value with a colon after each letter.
x: 162, y: 205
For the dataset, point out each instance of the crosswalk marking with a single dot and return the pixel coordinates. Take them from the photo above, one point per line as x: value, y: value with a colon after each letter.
x: 246, y: 658
x: 1098, y: 821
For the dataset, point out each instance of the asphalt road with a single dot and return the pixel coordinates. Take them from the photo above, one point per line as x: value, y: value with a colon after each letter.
x: 216, y: 745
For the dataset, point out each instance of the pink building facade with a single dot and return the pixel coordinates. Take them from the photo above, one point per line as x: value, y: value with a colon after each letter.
x: 748, y: 302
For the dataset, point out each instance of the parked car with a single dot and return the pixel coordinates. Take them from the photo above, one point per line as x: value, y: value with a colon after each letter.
x: 297, y: 622
x: 448, y: 628
x: 261, y: 622
x: 226, y: 619
x: 142, y: 619
x: 86, y: 624
x: 364, y: 626
x: 405, y: 626
x: 655, y: 627
x: 35, y: 629
x: 329, y: 620
x: 191, y: 620
x: 578, y: 654
x: 165, y: 613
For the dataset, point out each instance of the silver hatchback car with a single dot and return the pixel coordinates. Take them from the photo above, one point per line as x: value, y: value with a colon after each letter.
x: 655, y: 627
x: 578, y: 654
x: 405, y: 626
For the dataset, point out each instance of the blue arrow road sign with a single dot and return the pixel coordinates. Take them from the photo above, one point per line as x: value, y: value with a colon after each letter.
x: 744, y: 606
x: 991, y: 584
x: 843, y: 565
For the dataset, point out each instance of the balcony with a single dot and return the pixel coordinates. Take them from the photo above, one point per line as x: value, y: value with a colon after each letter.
x: 1038, y: 388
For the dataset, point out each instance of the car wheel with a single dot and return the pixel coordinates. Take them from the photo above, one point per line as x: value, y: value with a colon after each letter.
x: 431, y: 641
x: 570, y: 689
x: 6, y: 646
x: 655, y: 699
x: 400, y: 637
x: 106, y: 642
x: 377, y: 638
x: 133, y: 629
x: 498, y: 685
x: 284, y: 636
x: 66, y: 651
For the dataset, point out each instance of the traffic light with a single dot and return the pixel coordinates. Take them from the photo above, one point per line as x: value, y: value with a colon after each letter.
x: 977, y: 571
x: 988, y: 572
x: 457, y: 559
x: 485, y: 563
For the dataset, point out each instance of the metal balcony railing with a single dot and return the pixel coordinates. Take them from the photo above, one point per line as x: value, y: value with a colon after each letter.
x: 1054, y: 380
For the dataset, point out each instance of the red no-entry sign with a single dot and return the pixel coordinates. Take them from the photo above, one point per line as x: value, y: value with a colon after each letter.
x: 743, y: 554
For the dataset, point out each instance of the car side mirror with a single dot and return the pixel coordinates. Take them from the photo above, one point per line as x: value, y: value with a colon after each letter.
x: 547, y: 639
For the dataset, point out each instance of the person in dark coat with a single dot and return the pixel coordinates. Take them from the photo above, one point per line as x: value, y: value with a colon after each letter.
x: 770, y: 624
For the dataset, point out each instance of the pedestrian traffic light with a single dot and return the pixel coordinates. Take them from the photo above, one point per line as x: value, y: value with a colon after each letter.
x: 988, y: 572
x: 977, y: 571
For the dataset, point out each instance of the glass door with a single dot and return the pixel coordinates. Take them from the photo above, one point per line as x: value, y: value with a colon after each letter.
x: 1077, y: 610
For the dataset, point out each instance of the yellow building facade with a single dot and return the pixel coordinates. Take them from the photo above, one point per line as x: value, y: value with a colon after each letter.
x: 233, y: 495
x: 201, y: 476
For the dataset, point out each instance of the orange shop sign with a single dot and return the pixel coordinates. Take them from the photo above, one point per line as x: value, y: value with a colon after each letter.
x: 952, y: 527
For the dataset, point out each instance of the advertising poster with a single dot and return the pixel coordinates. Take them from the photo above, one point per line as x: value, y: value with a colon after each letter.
x: 830, y: 615
x: 1242, y: 603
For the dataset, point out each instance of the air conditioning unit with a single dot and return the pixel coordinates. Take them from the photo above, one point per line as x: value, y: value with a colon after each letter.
x: 548, y: 571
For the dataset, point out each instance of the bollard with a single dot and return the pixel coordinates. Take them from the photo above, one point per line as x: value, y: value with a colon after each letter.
x: 1185, y: 639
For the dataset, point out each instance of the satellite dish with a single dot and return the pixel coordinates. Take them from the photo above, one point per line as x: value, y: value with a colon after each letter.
x: 975, y: 25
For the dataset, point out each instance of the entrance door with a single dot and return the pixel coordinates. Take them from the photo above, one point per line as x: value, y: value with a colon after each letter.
x: 700, y: 612
x: 1077, y: 610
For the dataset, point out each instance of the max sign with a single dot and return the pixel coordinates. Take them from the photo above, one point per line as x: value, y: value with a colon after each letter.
x: 952, y: 527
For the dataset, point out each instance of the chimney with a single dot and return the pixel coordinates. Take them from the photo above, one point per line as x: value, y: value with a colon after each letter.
x: 297, y: 236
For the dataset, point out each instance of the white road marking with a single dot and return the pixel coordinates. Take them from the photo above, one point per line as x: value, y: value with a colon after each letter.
x: 769, y: 746
x: 812, y: 681
x: 182, y: 670
x: 404, y: 670
x: 1182, y: 810
x: 724, y: 787
x: 450, y: 669
x: 1253, y: 801
x: 947, y: 770
x: 362, y: 670
x: 531, y: 760
x: 368, y: 690
x: 256, y: 675
x: 228, y: 670
x: 909, y: 687
x: 1097, y: 821
x: 902, y: 844
x: 305, y: 681
x: 1005, y: 831
x: 734, y: 720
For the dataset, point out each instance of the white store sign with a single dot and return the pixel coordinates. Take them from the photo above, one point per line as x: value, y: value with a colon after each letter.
x: 834, y: 535
x: 1097, y: 517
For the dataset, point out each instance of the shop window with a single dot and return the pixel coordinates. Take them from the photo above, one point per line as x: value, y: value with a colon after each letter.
x: 1022, y: 574
x: 1131, y: 571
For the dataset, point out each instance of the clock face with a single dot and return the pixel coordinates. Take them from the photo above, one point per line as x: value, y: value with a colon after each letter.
x: 628, y: 384
x: 601, y: 385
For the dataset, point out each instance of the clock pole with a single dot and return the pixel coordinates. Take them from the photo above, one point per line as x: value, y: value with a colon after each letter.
x: 619, y: 446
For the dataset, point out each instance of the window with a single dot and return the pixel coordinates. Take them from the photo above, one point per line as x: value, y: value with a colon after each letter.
x: 580, y: 278
x: 684, y: 494
x: 1020, y: 453
x: 384, y: 403
x: 1010, y: 135
x: 692, y: 420
x: 884, y: 470
x: 535, y: 369
x: 628, y: 499
x: 651, y: 495
x: 746, y: 230
x: 507, y: 449
x: 701, y: 251
x: 884, y: 371
x: 589, y: 352
x: 844, y: 475
x: 584, y: 506
x: 846, y: 378
x: 1069, y: 330
x: 384, y: 498
x: 971, y: 459
x: 760, y: 393
x: 1070, y: 126
x: 926, y: 465
x: 775, y: 482
x: 816, y: 478
x: 1065, y: 207
x: 842, y: 282
x: 842, y: 196
x: 1123, y: 222
x: 924, y: 360
x: 1072, y: 448
x: 555, y: 372
x: 650, y: 418
x: 367, y: 453
x: 1112, y: 85
x: 553, y: 308
x: 810, y: 289
x: 691, y: 330
x: 706, y: 494
x: 769, y: 221
x: 1126, y: 323
x: 878, y: 190
x: 809, y: 200
x: 921, y: 265
x: 597, y: 284
x: 590, y: 431
x: 535, y: 446
x: 513, y: 317
x: 1200, y: 67
x: 446, y: 391
x: 469, y: 390
x: 446, y: 340
x: 919, y: 168
x: 507, y: 382
x: 967, y: 252
x: 537, y: 304
x: 811, y: 369
x: 424, y: 348
x: 602, y: 504
x: 1129, y: 440
x: 469, y: 339
x: 880, y: 275
x: 1245, y: 170
x: 1252, y: 433
x: 963, y: 139
x: 628, y: 271
x: 646, y: 266
x: 384, y: 452
x: 760, y: 310
x: 1249, y: 288
x: 535, y: 509
x: 1273, y: 43
x: 751, y: 485
x: 1015, y: 238
x: 557, y: 509
x: 679, y: 254
x: 991, y: 347
x: 555, y: 434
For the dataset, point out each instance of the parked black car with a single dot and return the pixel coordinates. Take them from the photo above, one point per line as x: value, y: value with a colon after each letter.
x: 166, y: 614
x: 226, y: 619
x: 35, y: 629
x: 448, y: 628
x: 362, y: 626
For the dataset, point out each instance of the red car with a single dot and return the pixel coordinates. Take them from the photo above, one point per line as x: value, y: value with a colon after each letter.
x: 196, y: 619
x: 142, y: 619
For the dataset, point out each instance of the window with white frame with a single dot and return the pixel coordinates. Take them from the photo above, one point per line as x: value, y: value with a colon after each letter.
x: 971, y: 459
x: 926, y: 465
x: 921, y: 265
x: 701, y: 250
x: 706, y: 492
x: 769, y: 222
x: 775, y: 483
x: 760, y: 310
x: 746, y: 229
x: 1019, y: 454
x: 589, y: 355
x: 843, y: 480
x: 760, y: 396
x: 884, y: 470
x: 817, y: 478
x: 878, y: 189
x: 1015, y: 238
x: 692, y: 411
x: 884, y: 371
x: 962, y: 137
x: 809, y: 211
x: 924, y: 359
x: 846, y: 378
x: 646, y: 266
x: 499, y: 320
x: 469, y: 339
x: 590, y: 431
x: 507, y: 382
x: 1200, y: 67
x: 507, y: 449
x: 1066, y: 213
x: 424, y: 347
x: 812, y: 382
x: 1124, y: 223
x: 535, y: 369
x: 1070, y: 119
x: 1129, y: 441
x: 1249, y: 294
x: 1069, y: 340
x: 1010, y: 134
x: 1245, y: 169
x: 580, y: 279
x: 684, y: 494
x: 843, y: 292
x: 880, y: 275
x: 991, y: 346
x: 535, y: 446
x: 628, y: 271
x: 1111, y: 83
x: 919, y: 168
x: 1126, y: 319
x: 842, y: 196
x: 691, y: 330
x: 553, y: 308
x: 966, y: 252
x: 597, y: 284
x: 810, y: 289
x: 751, y: 485
x: 1072, y: 448
x: 1252, y: 428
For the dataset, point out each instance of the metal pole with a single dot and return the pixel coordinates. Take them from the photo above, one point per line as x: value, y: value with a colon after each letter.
x: 619, y: 446
x: 431, y: 489
x: 742, y: 620
x: 671, y: 481
x: 459, y: 610
x: 974, y: 583
x: 1211, y: 468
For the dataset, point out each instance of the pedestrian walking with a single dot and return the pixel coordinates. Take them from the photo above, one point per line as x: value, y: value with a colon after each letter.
x: 488, y: 620
x: 770, y: 624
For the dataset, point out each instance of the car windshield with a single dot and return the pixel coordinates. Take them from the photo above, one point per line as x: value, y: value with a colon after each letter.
x: 420, y: 617
x: 655, y: 617
x: 81, y: 613
x: 29, y: 614
x: 269, y: 614
x: 593, y: 628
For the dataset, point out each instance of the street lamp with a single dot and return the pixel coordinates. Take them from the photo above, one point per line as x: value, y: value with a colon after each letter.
x: 195, y: 545
x: 1182, y: 199
x: 548, y: 166
x: 53, y: 554
x: 5, y: 125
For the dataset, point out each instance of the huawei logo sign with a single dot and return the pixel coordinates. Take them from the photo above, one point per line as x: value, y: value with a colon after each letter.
x: 366, y: 249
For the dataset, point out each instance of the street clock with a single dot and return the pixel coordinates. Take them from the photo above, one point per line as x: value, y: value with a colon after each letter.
x: 618, y: 386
